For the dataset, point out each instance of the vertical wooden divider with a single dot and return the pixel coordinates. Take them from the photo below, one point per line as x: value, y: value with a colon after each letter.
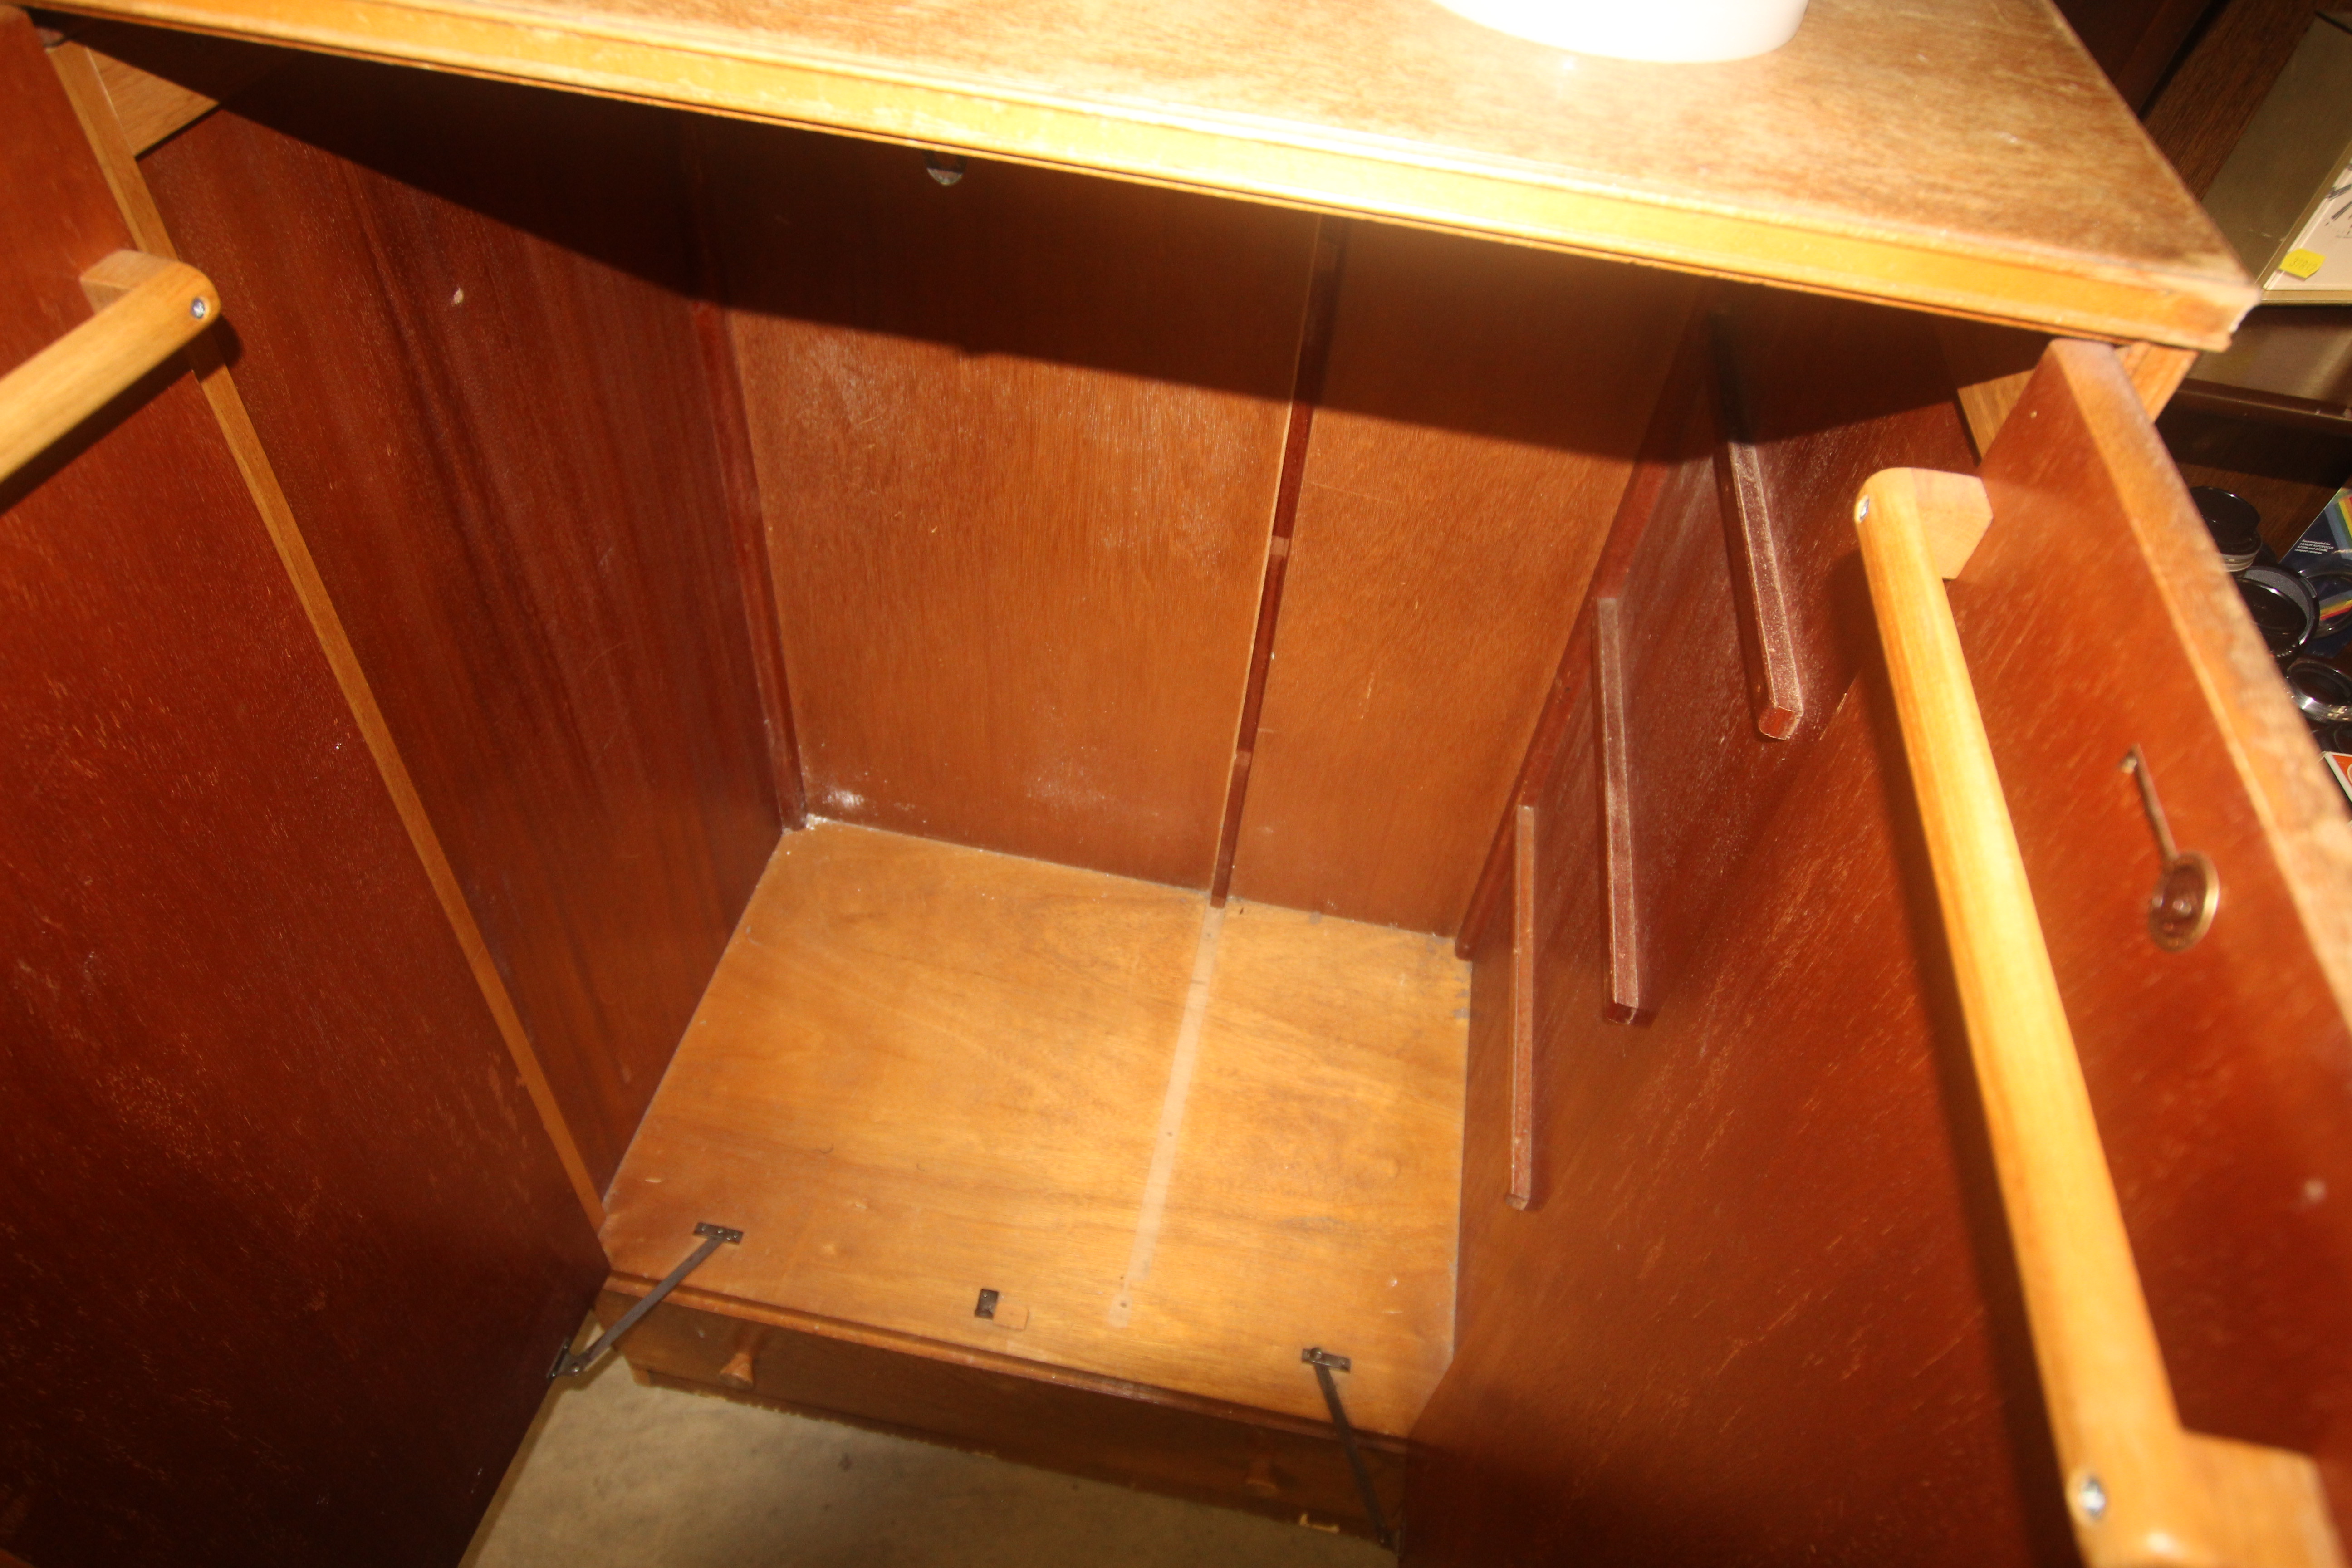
x: 1522, y: 1192
x: 1759, y: 597
x: 1623, y: 901
x: 79, y: 71
x: 723, y: 387
x: 1307, y: 391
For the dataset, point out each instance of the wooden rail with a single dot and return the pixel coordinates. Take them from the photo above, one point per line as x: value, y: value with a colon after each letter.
x: 148, y: 307
x: 2139, y: 1488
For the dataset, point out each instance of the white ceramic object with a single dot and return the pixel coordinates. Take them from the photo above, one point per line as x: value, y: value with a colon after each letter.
x: 1680, y: 30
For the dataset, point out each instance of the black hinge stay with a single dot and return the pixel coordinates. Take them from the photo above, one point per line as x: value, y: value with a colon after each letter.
x: 1325, y: 1363
x: 568, y: 1364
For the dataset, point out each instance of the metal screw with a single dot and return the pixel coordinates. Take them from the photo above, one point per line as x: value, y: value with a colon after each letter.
x: 1863, y: 509
x: 2091, y: 1497
x: 198, y: 307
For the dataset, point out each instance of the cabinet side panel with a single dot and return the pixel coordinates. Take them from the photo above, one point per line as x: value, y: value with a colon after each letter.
x: 1760, y: 1310
x: 459, y: 333
x: 288, y: 1249
x: 1018, y: 442
x: 1479, y: 421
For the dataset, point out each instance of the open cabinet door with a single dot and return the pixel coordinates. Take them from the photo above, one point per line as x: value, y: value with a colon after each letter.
x: 1758, y: 1302
x: 289, y: 1249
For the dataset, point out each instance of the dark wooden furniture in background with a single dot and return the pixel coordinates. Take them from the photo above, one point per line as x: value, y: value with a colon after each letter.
x: 644, y: 482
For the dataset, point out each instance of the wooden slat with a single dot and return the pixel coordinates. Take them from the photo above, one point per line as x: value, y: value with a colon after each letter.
x: 2133, y: 1490
x: 1767, y: 640
x: 1522, y: 1189
x: 1628, y: 1003
x: 257, y: 1108
x: 924, y: 1070
x: 2004, y: 180
x: 148, y: 307
x: 1480, y: 420
x: 1019, y: 441
x: 503, y: 461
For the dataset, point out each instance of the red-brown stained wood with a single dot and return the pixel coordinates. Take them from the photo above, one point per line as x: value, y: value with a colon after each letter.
x: 1677, y: 1148
x: 1783, y: 1325
x: 1661, y: 456
x: 1480, y: 418
x: 288, y: 1250
x: 457, y: 334
x: 2221, y: 1076
x: 1018, y: 442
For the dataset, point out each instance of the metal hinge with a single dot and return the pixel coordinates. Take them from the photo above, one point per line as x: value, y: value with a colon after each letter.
x: 567, y: 1365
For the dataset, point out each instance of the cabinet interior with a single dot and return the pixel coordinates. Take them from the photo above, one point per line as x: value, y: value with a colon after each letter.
x: 1021, y: 673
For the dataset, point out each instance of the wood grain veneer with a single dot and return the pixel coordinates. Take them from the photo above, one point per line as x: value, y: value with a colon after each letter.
x: 1480, y: 414
x: 288, y: 1248
x: 1018, y: 443
x: 1970, y: 156
x: 924, y: 1070
x: 499, y: 453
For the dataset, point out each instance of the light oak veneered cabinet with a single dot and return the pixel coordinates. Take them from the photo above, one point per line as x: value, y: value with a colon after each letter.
x: 1145, y: 690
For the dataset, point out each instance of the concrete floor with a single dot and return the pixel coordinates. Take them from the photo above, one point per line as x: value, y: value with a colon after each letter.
x: 615, y: 1475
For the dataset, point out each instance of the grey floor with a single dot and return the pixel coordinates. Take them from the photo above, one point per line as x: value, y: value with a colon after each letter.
x: 615, y: 1473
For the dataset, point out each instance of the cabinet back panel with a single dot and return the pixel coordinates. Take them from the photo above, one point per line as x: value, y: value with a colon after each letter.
x: 460, y: 337
x: 286, y: 1247
x: 1018, y: 440
x: 1480, y: 414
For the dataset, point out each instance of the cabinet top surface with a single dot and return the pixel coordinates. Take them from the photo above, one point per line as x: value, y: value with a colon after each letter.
x: 1966, y: 156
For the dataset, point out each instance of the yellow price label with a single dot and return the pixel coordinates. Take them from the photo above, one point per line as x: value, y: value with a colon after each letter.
x: 2303, y: 263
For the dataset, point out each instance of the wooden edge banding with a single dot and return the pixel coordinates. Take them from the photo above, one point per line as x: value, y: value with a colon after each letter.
x: 1760, y: 599
x: 630, y: 1286
x: 140, y: 212
x: 1522, y: 1192
x: 1306, y: 392
x: 1653, y: 465
x: 1621, y: 901
x: 2137, y: 1489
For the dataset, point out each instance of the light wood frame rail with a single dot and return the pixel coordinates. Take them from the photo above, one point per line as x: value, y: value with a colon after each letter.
x: 2139, y: 1488
x: 148, y: 308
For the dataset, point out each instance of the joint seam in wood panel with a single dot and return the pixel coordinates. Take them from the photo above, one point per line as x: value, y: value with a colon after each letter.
x: 78, y: 72
x: 1307, y: 391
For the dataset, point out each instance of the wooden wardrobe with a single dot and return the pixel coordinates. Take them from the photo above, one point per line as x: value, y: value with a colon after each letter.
x: 1148, y: 687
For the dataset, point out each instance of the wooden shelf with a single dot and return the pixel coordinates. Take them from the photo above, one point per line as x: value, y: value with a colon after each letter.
x: 1967, y: 157
x: 923, y: 1071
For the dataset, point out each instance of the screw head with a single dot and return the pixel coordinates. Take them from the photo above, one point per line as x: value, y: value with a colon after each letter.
x: 199, y: 307
x: 2090, y: 1496
x: 1862, y: 509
